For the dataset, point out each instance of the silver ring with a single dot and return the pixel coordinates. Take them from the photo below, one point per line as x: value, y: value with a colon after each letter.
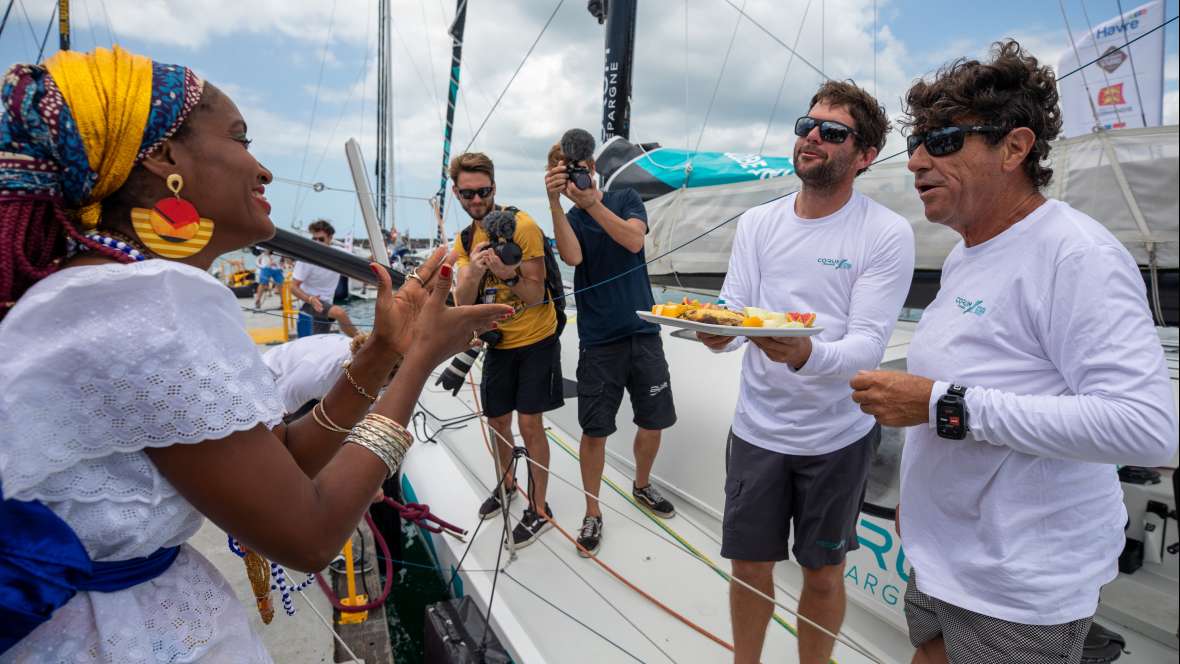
x: 474, y: 337
x: 414, y: 275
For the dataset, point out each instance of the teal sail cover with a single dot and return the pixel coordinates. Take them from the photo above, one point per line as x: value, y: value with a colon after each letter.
x: 670, y: 166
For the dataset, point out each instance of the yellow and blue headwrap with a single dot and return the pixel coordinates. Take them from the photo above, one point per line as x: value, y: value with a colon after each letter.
x: 71, y: 131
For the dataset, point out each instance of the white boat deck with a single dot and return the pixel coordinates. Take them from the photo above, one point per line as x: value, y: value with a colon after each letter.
x: 549, y: 580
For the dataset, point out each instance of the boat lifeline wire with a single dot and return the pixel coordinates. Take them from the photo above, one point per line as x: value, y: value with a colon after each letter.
x: 837, y: 636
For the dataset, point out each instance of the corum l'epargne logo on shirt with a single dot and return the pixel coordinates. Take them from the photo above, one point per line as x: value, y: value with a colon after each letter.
x: 838, y: 263
x: 970, y: 307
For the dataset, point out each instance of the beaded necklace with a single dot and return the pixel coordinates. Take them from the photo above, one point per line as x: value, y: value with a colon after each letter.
x: 117, y: 244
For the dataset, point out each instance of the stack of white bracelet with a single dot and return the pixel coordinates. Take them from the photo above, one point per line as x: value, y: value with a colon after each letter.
x: 383, y: 437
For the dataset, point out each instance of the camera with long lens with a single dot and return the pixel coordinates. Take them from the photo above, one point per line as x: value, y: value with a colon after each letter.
x: 452, y: 377
x: 577, y: 145
x: 500, y: 225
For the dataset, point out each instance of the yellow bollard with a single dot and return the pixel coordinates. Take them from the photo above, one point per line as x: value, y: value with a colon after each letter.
x: 353, y: 599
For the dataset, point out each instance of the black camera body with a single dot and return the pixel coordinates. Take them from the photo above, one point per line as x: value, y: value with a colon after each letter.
x: 579, y: 175
x: 500, y: 225
x: 577, y: 145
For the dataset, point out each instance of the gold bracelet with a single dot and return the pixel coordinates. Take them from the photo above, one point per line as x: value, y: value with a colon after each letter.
x: 326, y: 422
x: 398, y: 430
x: 364, y: 393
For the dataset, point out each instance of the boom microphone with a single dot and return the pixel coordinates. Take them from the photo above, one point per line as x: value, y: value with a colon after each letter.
x: 577, y: 145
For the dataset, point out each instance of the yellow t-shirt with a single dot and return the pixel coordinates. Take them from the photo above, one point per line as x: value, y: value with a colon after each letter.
x: 529, y: 325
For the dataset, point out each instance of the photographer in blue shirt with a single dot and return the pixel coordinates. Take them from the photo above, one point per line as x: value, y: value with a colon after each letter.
x: 602, y: 237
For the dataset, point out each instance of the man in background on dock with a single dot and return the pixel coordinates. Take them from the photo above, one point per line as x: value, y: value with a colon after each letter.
x: 799, y: 449
x: 316, y: 286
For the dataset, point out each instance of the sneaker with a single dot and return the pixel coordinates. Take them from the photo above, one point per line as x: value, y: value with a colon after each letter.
x: 531, y: 526
x: 491, y: 506
x: 649, y: 497
x: 590, y: 537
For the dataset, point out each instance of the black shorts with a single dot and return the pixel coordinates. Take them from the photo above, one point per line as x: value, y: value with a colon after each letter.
x: 765, y: 491
x: 320, y: 323
x: 637, y: 364
x: 527, y: 379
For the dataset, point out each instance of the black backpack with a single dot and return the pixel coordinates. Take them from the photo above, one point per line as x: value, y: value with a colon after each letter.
x: 554, y: 290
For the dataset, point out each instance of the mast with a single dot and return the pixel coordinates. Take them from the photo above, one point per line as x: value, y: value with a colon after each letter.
x: 384, y: 78
x: 456, y: 32
x: 63, y: 24
x: 620, y: 54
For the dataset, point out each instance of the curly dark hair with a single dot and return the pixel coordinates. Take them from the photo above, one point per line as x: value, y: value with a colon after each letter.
x: 1012, y: 90
x: 872, y: 125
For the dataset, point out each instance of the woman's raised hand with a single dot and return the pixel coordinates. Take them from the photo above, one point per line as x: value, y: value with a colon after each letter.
x: 441, y: 331
x: 395, y: 312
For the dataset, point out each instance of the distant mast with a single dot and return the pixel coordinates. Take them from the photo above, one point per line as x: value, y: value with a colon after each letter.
x: 384, y: 177
x: 456, y: 33
x: 619, y: 16
x: 63, y: 24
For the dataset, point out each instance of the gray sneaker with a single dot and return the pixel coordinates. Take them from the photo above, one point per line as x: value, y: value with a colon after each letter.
x: 650, y: 497
x: 591, y: 536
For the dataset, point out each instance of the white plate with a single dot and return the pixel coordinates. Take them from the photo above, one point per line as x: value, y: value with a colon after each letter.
x: 730, y: 330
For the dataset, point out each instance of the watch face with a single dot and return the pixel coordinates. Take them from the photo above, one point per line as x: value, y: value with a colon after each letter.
x: 952, y: 417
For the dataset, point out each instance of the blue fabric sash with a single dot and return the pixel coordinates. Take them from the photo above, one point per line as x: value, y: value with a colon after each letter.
x: 43, y: 565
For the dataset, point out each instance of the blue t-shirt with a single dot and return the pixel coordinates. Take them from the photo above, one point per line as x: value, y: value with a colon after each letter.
x: 606, y: 313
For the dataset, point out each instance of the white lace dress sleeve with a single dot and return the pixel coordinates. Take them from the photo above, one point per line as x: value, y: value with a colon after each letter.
x: 100, y: 363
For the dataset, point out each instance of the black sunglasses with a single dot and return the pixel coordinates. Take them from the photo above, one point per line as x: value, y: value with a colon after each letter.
x: 482, y: 192
x: 829, y: 130
x: 947, y: 140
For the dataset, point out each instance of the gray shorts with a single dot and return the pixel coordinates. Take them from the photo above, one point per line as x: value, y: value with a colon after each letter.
x: 973, y: 638
x: 765, y: 491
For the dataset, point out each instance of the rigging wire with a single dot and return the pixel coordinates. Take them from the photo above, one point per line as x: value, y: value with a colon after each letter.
x: 717, y: 85
x: 837, y: 636
x: 782, y: 83
x: 1105, y: 76
x: 48, y: 28
x: 571, y: 617
x: 112, y: 35
x: 780, y: 42
x: 314, y: 106
x: 514, y: 74
x: 28, y: 22
x: 89, y: 23
x: 4, y: 22
x: 1130, y: 57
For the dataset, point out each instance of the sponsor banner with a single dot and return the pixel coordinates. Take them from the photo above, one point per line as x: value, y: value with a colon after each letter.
x: 1105, y: 94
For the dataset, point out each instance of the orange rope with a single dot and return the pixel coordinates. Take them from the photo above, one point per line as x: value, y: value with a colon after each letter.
x: 670, y: 611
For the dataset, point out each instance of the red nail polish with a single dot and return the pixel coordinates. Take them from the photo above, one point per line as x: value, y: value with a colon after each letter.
x: 445, y: 271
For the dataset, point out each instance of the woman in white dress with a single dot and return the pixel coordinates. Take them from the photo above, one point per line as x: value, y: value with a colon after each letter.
x: 132, y: 402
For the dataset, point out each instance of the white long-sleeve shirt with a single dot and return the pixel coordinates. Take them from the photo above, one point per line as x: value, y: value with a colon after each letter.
x: 852, y: 269
x: 1047, y: 325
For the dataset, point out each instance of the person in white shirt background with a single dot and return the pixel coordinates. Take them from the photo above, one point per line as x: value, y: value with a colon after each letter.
x: 799, y: 449
x: 316, y: 286
x: 1035, y: 369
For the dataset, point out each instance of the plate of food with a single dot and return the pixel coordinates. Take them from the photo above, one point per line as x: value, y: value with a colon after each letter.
x: 717, y: 319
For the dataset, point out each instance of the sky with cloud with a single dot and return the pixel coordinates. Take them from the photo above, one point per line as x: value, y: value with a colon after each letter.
x: 304, y: 74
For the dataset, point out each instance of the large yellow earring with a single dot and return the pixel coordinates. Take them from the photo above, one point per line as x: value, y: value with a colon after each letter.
x: 173, y: 228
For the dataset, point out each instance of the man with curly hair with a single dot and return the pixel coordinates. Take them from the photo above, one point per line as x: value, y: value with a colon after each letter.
x: 1034, y: 371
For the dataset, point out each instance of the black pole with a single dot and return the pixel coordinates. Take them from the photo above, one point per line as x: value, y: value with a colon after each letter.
x: 620, y: 53
x: 292, y: 245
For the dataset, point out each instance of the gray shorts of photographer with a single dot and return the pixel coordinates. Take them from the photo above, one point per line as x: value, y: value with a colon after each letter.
x: 973, y: 638
x: 766, y: 491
